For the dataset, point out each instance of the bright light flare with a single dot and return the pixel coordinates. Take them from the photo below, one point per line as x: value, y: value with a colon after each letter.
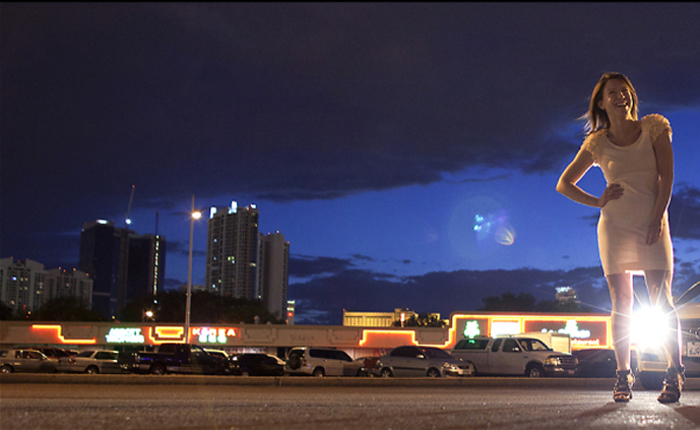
x: 650, y: 328
x: 196, y: 214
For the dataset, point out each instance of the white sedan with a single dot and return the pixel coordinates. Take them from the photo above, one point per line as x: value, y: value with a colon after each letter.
x: 93, y: 361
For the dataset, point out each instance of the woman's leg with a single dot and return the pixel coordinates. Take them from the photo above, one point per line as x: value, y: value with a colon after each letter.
x: 659, y: 286
x: 621, y: 294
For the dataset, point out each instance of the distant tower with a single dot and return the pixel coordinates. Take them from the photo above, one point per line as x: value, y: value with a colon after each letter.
x: 100, y: 250
x: 146, y: 266
x: 274, y: 273
x: 123, y: 266
x: 232, y: 251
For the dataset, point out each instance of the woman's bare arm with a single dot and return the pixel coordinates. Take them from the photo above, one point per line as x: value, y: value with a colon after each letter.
x: 664, y: 166
x: 574, y: 172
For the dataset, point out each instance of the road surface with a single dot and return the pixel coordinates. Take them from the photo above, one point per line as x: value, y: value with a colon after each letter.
x: 126, y: 406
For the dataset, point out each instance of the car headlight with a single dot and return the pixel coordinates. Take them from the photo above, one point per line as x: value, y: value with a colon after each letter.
x: 553, y: 361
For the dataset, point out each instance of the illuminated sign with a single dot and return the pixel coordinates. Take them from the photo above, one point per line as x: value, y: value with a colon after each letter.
x: 124, y: 335
x: 471, y: 329
x: 573, y: 331
x: 585, y: 331
x: 213, y: 335
x: 499, y: 328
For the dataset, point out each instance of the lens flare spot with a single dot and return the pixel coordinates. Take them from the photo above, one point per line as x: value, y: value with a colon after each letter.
x: 505, y: 235
x: 478, y: 226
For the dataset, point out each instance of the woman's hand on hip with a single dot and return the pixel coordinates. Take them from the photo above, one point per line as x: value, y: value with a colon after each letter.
x: 612, y: 192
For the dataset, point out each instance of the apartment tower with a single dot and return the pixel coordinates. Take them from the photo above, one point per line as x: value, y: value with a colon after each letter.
x: 274, y: 273
x: 232, y: 251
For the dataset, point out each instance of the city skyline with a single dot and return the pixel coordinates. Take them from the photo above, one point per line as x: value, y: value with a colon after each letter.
x: 408, y: 152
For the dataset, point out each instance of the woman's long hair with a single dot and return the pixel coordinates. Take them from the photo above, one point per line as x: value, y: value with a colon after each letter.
x: 596, y: 118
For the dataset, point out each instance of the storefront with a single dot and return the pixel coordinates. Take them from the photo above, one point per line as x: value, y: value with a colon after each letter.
x: 585, y: 331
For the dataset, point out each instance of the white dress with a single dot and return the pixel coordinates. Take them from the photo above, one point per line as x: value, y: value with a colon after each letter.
x: 623, y: 223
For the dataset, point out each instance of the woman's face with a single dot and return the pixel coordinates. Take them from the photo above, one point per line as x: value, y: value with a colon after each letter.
x: 616, y: 99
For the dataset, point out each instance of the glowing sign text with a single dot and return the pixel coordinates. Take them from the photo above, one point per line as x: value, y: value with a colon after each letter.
x: 213, y: 335
x: 572, y: 330
x: 124, y: 335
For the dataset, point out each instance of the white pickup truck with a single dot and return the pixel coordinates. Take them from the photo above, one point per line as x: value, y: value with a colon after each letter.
x: 514, y: 355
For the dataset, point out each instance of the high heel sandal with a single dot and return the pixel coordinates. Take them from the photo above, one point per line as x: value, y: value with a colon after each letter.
x: 622, y: 392
x: 673, y: 385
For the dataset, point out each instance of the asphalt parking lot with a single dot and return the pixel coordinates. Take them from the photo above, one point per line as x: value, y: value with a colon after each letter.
x: 176, y: 402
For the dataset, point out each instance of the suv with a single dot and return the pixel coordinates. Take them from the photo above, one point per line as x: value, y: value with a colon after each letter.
x: 514, y: 355
x: 320, y: 362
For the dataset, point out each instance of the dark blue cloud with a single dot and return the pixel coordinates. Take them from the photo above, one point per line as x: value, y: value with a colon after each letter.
x: 684, y: 212
x: 303, y: 266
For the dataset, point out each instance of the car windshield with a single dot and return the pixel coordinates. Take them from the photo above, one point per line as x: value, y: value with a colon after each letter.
x: 533, y: 345
x: 436, y: 353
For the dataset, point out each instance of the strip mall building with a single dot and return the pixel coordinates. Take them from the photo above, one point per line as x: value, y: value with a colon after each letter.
x: 584, y: 330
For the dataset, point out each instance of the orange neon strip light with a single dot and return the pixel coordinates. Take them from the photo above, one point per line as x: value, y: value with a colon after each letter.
x: 522, y: 319
x: 368, y: 332
x: 166, y: 334
x: 170, y: 332
x: 59, y: 334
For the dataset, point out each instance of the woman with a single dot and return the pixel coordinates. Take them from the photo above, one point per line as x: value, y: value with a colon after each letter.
x: 633, y: 234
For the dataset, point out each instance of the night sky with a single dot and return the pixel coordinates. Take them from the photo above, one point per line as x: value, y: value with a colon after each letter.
x: 409, y: 152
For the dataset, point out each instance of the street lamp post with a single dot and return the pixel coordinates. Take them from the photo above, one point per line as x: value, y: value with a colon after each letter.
x: 193, y: 216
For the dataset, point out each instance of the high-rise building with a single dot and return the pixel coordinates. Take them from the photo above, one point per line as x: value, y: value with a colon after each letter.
x: 273, y: 275
x: 124, y: 266
x: 146, y: 266
x: 22, y: 284
x: 100, y: 249
x: 68, y: 283
x: 232, y: 251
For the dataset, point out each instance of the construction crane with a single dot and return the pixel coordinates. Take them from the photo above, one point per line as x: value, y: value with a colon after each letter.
x: 127, y: 220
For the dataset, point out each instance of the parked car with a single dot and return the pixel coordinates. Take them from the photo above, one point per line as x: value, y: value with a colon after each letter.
x: 415, y: 361
x: 651, y: 365
x: 320, y: 362
x: 277, y: 359
x: 255, y: 365
x: 52, y: 353
x: 25, y: 360
x: 367, y: 364
x: 173, y: 358
x: 217, y: 353
x: 92, y: 361
x: 595, y: 363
